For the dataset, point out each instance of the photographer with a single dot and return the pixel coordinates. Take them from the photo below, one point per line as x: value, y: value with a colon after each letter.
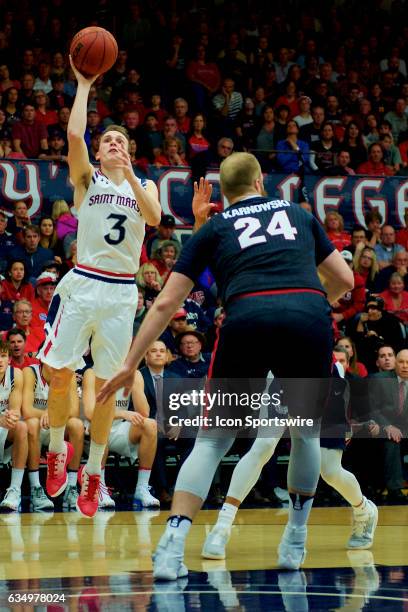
x: 376, y: 328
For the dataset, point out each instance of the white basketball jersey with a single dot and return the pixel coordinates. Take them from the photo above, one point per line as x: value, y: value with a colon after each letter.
x: 111, y: 228
x: 6, y: 387
x: 41, y: 389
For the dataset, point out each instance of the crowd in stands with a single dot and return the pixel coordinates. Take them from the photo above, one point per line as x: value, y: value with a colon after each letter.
x: 306, y: 89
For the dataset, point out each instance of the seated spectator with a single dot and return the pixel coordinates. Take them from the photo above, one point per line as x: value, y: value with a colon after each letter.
x: 326, y: 149
x: 192, y: 363
x: 358, y: 239
x: 212, y: 158
x: 387, y: 248
x: 11, y: 105
x: 16, y: 286
x: 57, y: 97
x: 19, y: 220
x: 391, y: 154
x: 385, y: 361
x: 43, y: 81
x: 180, y: 113
x: 310, y: 132
x: 304, y: 117
x: 281, y: 122
x: 227, y: 104
x: 5, y: 81
x: 388, y: 399
x: 333, y: 113
x: 375, y: 165
x: 141, y: 311
x: 293, y: 155
x: 355, y: 366
x: 65, y: 222
x: 373, y: 220
x: 354, y: 144
x: 396, y: 298
x: 31, y: 252
x: 375, y: 328
x: 172, y: 155
x: 61, y: 126
x: 164, y: 258
x: 141, y: 163
x: 23, y: 318
x: 366, y: 265
x: 44, y: 114
x: 44, y: 291
x: 165, y: 231
x: 399, y: 264
x: 265, y: 140
x: 29, y: 134
x: 370, y: 130
x: 197, y: 142
x: 342, y: 165
x: 152, y: 131
x: 156, y: 109
x: 398, y: 118
x: 49, y: 238
x: 177, y: 325
x: 353, y: 301
x: 7, y: 242
x: 170, y: 130
x: 151, y: 281
x: 56, y: 146
x: 204, y: 76
x: 334, y: 226
x: 246, y: 126
x: 290, y: 99
x: 19, y: 357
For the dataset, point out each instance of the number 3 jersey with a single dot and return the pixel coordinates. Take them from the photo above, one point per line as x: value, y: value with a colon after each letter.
x: 111, y: 228
x: 258, y: 244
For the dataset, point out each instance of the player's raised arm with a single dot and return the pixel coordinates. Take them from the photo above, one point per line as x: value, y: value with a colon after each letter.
x: 80, y: 170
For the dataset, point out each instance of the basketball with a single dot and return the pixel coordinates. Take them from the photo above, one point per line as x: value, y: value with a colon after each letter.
x: 93, y: 50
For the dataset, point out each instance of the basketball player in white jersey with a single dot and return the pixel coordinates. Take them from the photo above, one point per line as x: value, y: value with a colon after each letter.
x: 35, y: 397
x: 98, y: 298
x: 133, y: 433
x: 13, y: 432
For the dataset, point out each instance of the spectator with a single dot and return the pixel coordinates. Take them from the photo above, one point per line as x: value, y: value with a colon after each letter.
x: 71, y: 256
x: 156, y: 108
x: 354, y: 144
x: 228, y: 103
x: 342, y: 166
x: 246, y: 126
x: 57, y: 97
x: 44, y: 114
x: 388, y: 400
x: 293, y: 155
x: 150, y: 280
x: 7, y: 242
x: 61, y: 126
x: 310, y: 133
x: 387, y: 248
x: 233, y: 61
x: 333, y: 113
x: 165, y: 231
x: 375, y: 328
x: 154, y: 137
x: 23, y: 318
x: 402, y: 234
x: 164, y: 258
x: 399, y: 264
x: 43, y: 81
x: 281, y: 122
x: 19, y: 358
x: 93, y: 126
x: 16, y: 286
x: 29, y: 135
x: 396, y: 298
x: 391, y: 154
x: 192, y: 363
x: 31, y: 252
x: 398, y: 118
x: 334, y: 226
x: 19, y: 221
x: 355, y: 367
x: 141, y: 311
x: 385, y: 360
x: 49, y: 238
x: 259, y: 100
x: 5, y: 81
x: 212, y: 332
x: 371, y: 133
x: 365, y: 264
x: 27, y: 88
x: 326, y: 149
x: 282, y: 65
x: 259, y: 59
x: 375, y: 165
x: 358, y: 239
x: 197, y: 142
x: 11, y: 106
x: 373, y: 221
x: 139, y: 162
x: 56, y: 146
x: 211, y: 158
x: 304, y: 117
x: 44, y: 289
x: 181, y: 116
x: 65, y: 222
x: 172, y: 155
x: 170, y: 130
x: 290, y: 99
x: 378, y: 104
x: 177, y: 325
x: 265, y: 140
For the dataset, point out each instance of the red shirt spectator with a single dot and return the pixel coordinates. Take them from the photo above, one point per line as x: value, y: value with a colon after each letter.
x: 44, y: 287
x: 352, y: 302
x: 16, y: 287
x: 396, y: 298
x: 375, y: 165
x: 334, y: 226
x: 29, y: 135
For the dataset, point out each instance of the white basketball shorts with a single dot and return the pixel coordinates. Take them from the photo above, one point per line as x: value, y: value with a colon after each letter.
x: 119, y: 440
x: 90, y: 307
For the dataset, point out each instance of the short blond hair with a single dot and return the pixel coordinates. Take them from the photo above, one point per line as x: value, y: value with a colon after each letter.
x: 116, y: 128
x: 59, y: 207
x: 238, y: 172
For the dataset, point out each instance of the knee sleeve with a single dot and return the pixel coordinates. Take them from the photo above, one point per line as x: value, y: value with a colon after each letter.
x: 249, y: 468
x: 304, y: 463
x: 197, y: 472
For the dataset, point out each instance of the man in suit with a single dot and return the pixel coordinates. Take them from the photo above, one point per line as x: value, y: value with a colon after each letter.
x: 389, y: 402
x: 154, y: 374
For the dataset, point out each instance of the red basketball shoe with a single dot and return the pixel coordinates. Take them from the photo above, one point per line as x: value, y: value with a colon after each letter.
x: 57, y: 477
x: 87, y: 502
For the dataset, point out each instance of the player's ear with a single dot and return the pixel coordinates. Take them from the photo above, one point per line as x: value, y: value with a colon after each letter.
x: 97, y: 155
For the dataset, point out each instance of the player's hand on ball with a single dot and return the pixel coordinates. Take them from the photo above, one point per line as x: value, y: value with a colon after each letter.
x: 80, y: 77
x: 123, y: 378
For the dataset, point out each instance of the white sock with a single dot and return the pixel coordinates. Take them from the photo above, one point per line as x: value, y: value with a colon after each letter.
x: 34, y: 478
x: 72, y: 478
x: 361, y: 508
x: 94, y: 463
x: 16, y: 478
x: 179, y: 526
x: 103, y: 476
x: 57, y: 443
x: 226, y: 516
x: 143, y: 478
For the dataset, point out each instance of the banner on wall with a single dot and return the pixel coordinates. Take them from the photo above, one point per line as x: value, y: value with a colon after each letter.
x: 40, y: 183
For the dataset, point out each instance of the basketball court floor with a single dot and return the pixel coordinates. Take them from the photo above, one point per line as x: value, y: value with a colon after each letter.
x: 66, y: 562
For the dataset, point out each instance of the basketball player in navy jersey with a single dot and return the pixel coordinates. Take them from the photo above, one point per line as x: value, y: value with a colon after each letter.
x: 265, y: 255
x: 98, y: 298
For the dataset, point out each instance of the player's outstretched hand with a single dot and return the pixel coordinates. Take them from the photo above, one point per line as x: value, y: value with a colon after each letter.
x: 201, y: 202
x: 83, y: 80
x: 124, y: 378
x: 122, y: 161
